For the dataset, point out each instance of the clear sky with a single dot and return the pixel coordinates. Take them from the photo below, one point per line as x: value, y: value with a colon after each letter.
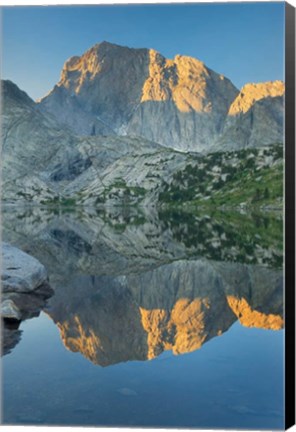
x: 243, y: 41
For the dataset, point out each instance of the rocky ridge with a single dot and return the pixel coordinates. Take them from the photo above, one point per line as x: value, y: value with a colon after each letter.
x: 257, y: 111
x: 43, y: 163
x: 251, y: 93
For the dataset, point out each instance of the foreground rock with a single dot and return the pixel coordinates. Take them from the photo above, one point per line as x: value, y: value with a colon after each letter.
x: 25, y: 290
x: 21, y: 272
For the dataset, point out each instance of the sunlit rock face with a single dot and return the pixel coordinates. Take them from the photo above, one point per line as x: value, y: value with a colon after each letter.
x: 111, y: 89
x: 178, y: 307
x: 252, y: 93
x: 255, y: 117
x: 97, y: 92
x: 179, y: 103
x: 104, y: 326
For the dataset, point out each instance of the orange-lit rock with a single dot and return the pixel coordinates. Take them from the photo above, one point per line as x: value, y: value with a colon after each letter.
x: 252, y: 93
x: 178, y: 307
x: 112, y: 89
x: 250, y: 317
x: 255, y: 117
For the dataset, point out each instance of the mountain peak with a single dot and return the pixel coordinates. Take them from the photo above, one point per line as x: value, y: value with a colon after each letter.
x: 179, y: 102
x: 12, y: 93
x: 107, y: 44
x: 253, y: 92
x: 110, y: 48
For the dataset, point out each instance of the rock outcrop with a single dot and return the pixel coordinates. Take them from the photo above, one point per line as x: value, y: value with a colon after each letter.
x: 10, y: 311
x: 29, y: 141
x: 21, y: 273
x: 25, y: 289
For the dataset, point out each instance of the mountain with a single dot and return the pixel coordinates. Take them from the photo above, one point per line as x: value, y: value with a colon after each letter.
x: 178, y: 307
x: 86, y: 142
x: 255, y: 118
x: 43, y: 162
x: 30, y: 140
x: 111, y: 89
x: 179, y: 103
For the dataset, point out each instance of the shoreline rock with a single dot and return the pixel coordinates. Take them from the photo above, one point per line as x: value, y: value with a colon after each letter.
x: 20, y: 272
x: 25, y: 289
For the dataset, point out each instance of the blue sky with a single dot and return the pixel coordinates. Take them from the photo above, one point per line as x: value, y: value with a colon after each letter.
x: 243, y: 41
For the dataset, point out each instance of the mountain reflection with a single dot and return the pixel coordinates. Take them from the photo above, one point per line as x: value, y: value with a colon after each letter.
x: 177, y: 307
x: 129, y: 286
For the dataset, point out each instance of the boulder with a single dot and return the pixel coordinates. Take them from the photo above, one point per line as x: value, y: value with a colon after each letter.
x: 25, y: 290
x: 20, y: 271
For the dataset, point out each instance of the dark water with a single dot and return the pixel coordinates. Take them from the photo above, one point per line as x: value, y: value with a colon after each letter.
x: 158, y: 319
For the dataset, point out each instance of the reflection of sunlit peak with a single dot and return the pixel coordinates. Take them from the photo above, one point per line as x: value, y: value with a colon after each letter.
x: 250, y: 317
x: 78, y: 339
x: 175, y: 307
x: 181, y: 330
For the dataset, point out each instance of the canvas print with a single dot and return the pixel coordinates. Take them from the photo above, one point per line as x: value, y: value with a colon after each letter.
x: 142, y: 215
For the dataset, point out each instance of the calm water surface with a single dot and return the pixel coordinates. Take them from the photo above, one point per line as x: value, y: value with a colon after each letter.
x: 158, y: 319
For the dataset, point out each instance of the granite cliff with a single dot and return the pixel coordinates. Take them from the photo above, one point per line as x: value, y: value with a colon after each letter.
x: 179, y: 103
x: 256, y: 116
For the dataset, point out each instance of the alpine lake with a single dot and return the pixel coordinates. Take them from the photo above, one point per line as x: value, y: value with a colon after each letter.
x: 159, y: 318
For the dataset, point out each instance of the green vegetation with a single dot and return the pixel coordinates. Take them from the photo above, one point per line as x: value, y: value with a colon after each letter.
x: 24, y: 195
x: 128, y: 216
x: 249, y: 177
x: 59, y: 201
x: 255, y: 238
x: 124, y: 194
